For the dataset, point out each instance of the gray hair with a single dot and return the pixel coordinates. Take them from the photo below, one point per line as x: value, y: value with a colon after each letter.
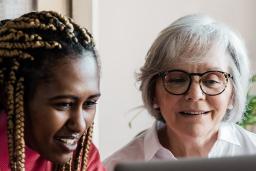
x: 196, y: 35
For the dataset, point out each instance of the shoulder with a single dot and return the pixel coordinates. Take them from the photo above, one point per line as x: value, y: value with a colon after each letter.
x: 245, y: 134
x: 244, y: 137
x: 134, y: 150
x: 233, y: 140
x: 94, y: 162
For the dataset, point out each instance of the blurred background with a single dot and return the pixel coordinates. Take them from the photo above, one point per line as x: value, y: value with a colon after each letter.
x: 124, y: 31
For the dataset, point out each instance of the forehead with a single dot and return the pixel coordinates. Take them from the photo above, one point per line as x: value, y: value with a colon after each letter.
x: 73, y: 76
x: 215, y: 59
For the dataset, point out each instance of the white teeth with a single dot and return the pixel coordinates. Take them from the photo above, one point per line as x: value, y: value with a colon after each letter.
x: 67, y: 141
x: 194, y: 113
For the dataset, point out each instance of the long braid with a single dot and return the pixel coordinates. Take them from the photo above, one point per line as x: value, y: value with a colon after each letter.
x: 79, y: 152
x: 10, y: 120
x: 86, y: 149
x: 19, y: 126
x: 17, y: 38
x: 16, y: 142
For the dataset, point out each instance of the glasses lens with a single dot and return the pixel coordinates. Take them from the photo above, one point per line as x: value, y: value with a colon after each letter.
x: 213, y: 83
x: 176, y: 82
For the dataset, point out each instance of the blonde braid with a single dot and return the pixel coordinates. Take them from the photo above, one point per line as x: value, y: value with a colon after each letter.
x: 66, y: 22
x: 15, y: 108
x: 15, y: 35
x: 88, y: 39
x: 79, y: 151
x: 86, y: 150
x: 68, y: 165
x: 64, y: 25
x: 33, y: 23
x: 10, y: 120
x: 19, y: 126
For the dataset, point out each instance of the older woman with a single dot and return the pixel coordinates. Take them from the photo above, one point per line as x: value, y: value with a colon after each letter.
x: 194, y: 82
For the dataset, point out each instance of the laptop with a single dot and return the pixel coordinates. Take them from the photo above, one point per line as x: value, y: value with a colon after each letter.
x: 238, y: 163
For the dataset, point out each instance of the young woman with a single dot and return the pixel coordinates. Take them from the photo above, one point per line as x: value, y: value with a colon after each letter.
x: 49, y: 85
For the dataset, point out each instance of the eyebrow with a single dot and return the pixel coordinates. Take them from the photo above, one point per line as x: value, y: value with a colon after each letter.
x: 72, y: 97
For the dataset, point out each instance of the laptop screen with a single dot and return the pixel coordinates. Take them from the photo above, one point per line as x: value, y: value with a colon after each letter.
x: 238, y: 163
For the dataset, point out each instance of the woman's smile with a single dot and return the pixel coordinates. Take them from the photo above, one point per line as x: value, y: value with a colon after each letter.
x: 194, y: 113
x: 67, y: 143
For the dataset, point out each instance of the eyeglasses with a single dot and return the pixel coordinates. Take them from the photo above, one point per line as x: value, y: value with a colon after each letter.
x: 178, y: 82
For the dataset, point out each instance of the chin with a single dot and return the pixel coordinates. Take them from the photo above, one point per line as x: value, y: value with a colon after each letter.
x: 63, y: 159
x: 59, y: 159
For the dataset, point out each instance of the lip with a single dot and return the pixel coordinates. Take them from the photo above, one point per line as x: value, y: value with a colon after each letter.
x: 194, y: 112
x: 67, y: 143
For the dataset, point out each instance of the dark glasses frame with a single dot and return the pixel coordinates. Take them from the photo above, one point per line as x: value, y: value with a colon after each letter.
x: 165, y: 73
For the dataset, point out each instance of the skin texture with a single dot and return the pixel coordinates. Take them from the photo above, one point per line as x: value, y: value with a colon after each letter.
x: 63, y: 107
x: 193, y: 135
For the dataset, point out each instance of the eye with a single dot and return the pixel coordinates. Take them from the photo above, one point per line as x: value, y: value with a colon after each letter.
x: 177, y: 80
x: 64, y: 105
x: 89, y: 104
x: 210, y: 82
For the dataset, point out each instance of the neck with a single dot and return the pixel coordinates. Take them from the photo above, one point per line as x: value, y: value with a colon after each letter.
x: 187, y: 146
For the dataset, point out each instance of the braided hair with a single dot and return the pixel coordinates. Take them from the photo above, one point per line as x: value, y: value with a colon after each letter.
x: 29, y: 46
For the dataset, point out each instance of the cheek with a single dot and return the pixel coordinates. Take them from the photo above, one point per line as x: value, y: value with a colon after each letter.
x: 161, y: 97
x: 166, y: 101
x: 221, y: 102
x: 90, y: 118
x: 47, y: 125
x: 169, y: 104
x: 46, y: 120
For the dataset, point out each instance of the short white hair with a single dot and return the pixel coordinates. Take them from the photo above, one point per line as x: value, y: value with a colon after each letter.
x: 196, y: 35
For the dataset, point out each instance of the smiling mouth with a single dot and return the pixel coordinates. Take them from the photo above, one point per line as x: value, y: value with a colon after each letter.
x: 67, y: 141
x: 194, y: 113
x: 67, y: 144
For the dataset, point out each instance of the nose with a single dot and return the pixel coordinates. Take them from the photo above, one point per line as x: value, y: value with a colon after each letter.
x: 77, y: 121
x: 195, y: 93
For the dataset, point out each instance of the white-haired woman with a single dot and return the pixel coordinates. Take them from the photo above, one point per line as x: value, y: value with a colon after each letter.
x: 194, y: 82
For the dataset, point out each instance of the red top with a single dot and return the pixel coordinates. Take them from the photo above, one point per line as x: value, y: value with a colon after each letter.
x: 34, y: 162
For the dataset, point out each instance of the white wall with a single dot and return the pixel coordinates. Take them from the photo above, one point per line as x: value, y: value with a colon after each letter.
x: 82, y: 13
x: 14, y: 8
x: 124, y: 30
x: 61, y: 6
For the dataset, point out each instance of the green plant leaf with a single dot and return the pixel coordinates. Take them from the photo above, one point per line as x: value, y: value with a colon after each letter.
x: 250, y: 113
